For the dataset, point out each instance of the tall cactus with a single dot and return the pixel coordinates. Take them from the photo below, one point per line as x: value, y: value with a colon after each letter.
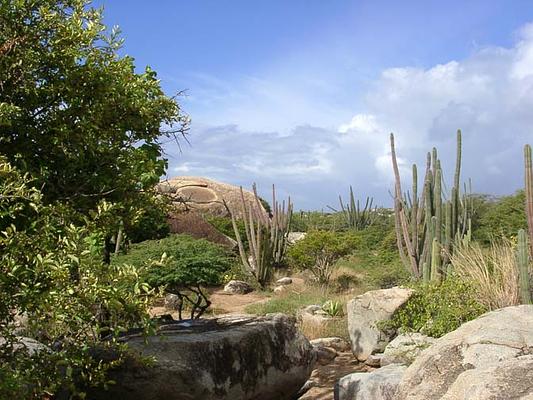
x: 523, y: 266
x: 267, y: 235
x: 523, y: 259
x: 428, y: 226
x: 529, y: 192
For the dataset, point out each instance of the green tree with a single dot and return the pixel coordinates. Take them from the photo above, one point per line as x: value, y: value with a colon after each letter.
x: 74, y: 113
x: 319, y: 251
x: 183, y: 266
x: 52, y: 277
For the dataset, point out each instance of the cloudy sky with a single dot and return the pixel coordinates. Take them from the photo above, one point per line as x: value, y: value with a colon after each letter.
x: 304, y: 93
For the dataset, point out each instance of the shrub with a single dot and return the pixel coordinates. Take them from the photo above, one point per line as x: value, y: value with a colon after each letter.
x: 318, y: 252
x: 493, y: 272
x: 500, y: 218
x: 182, y: 265
x: 333, y: 308
x: 436, y: 309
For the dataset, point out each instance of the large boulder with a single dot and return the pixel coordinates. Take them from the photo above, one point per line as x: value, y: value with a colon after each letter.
x: 230, y: 358
x: 364, y: 314
x: 380, y: 384
x: 482, y: 359
x: 405, y: 348
x: 206, y: 196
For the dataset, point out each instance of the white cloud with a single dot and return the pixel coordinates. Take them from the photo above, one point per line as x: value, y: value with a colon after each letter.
x: 489, y: 95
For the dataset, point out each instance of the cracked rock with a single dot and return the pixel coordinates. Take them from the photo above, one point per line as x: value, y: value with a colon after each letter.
x: 482, y: 359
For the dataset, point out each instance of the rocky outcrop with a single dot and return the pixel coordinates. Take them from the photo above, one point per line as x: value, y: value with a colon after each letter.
x: 237, y: 287
x: 194, y: 224
x: 509, y: 379
x: 487, y: 358
x: 189, y: 193
x: 364, y: 314
x: 380, y: 384
x: 232, y: 358
x: 405, y: 348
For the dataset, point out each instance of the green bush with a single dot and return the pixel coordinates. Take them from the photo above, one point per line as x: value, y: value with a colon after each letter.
x: 183, y: 266
x: 500, y: 218
x: 224, y: 225
x: 436, y: 309
x: 319, y: 251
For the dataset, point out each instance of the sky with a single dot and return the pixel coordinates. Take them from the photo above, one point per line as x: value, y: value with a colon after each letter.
x: 305, y: 93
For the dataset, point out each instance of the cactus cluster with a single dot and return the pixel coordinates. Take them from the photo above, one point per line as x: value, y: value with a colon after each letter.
x: 357, y: 217
x: 428, y: 225
x: 266, y: 235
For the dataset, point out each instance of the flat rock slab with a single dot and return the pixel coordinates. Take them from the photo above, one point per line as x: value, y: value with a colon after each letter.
x: 232, y: 358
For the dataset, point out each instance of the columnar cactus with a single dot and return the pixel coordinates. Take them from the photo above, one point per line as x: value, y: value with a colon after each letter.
x: 429, y: 226
x: 529, y: 192
x: 266, y: 235
x: 523, y: 266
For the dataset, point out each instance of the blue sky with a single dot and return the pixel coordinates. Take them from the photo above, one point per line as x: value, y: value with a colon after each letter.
x: 303, y: 93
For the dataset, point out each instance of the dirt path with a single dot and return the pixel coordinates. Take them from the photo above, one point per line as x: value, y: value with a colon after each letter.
x: 325, y: 376
x: 225, y: 303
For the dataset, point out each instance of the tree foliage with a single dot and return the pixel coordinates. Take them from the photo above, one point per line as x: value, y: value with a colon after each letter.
x: 319, y: 251
x: 499, y: 218
x: 182, y: 265
x: 52, y: 277
x: 74, y: 113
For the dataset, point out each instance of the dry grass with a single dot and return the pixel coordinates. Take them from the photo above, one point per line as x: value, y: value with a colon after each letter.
x: 493, y: 271
x: 331, y: 327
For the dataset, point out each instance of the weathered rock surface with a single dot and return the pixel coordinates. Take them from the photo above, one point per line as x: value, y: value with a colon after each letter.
x: 364, y: 313
x: 324, y: 355
x: 374, y: 360
x: 31, y: 346
x: 380, y: 384
x: 506, y: 380
x: 205, y: 195
x: 284, y: 281
x: 336, y: 343
x: 405, y: 348
x: 194, y: 224
x: 232, y: 358
x: 237, y: 287
x: 477, y: 358
x: 294, y: 237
